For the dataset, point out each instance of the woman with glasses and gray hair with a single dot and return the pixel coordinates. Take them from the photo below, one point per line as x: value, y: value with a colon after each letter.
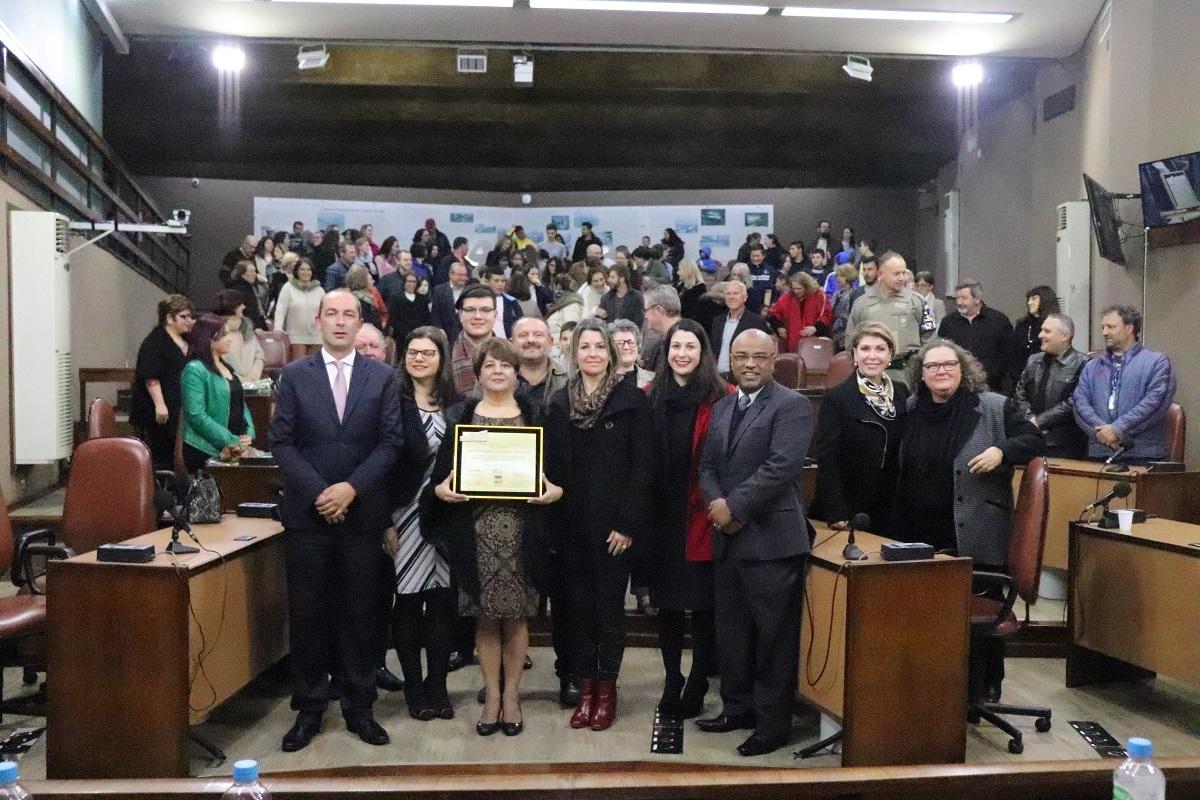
x: 957, y: 456
x: 602, y: 430
x: 627, y: 338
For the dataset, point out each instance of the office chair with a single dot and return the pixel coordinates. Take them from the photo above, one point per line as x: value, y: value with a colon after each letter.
x: 276, y: 347
x: 994, y: 618
x: 841, y: 367
x: 22, y: 631
x: 102, y: 420
x: 789, y: 371
x: 816, y: 352
x: 1176, y: 433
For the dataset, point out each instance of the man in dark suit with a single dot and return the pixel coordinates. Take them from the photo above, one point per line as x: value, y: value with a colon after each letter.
x: 458, y: 255
x: 510, y: 310
x: 751, y: 474
x: 736, y: 319
x: 442, y: 302
x: 336, y: 434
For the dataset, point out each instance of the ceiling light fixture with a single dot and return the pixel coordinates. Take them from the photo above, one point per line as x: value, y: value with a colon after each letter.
x: 444, y: 3
x: 858, y: 67
x: 228, y: 58
x: 962, y: 17
x: 634, y: 5
x: 967, y: 74
x: 312, y: 57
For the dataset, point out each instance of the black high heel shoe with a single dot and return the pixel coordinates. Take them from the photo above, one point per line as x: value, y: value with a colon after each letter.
x: 488, y: 728
x: 511, y: 728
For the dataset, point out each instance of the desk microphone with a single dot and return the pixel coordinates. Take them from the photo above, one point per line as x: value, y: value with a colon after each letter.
x: 852, y: 552
x: 166, y: 500
x: 1108, y: 462
x: 1120, y: 489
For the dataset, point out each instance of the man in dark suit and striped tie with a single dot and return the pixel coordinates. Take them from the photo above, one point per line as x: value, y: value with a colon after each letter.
x: 336, y: 434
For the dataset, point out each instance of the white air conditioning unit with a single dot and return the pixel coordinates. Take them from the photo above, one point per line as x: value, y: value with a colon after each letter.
x: 43, y: 407
x: 951, y: 215
x: 1073, y: 264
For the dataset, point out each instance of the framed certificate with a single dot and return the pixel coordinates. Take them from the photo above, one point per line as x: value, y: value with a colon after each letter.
x: 497, y: 462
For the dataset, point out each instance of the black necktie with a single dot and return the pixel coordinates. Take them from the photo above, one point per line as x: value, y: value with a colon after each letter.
x: 739, y: 411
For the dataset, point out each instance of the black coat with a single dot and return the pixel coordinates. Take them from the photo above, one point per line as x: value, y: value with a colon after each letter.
x: 1025, y: 343
x: 606, y: 471
x: 159, y: 359
x: 857, y: 453
x: 406, y: 315
x: 405, y: 478
x: 451, y: 526
x: 988, y: 338
x: 689, y: 299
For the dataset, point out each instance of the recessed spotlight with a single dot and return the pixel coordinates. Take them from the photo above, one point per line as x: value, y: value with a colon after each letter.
x: 967, y: 17
x: 312, y: 57
x: 858, y: 67
x: 967, y: 74
x: 228, y: 58
x: 636, y: 5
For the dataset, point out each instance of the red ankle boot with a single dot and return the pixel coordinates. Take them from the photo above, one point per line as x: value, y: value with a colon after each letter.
x: 582, y: 717
x: 606, y: 705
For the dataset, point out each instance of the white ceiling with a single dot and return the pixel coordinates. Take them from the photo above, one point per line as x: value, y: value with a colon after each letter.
x: 1043, y: 28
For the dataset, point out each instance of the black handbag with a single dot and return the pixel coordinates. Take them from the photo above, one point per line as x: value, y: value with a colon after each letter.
x: 203, y: 499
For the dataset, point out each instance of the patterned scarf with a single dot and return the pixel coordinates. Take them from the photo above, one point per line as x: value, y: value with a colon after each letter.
x: 585, y: 408
x: 879, y: 396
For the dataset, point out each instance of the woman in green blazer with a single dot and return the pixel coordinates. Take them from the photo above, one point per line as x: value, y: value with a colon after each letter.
x: 216, y: 420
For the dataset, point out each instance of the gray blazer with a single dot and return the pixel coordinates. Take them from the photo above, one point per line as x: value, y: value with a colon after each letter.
x: 983, y: 504
x: 761, y: 478
x: 1057, y: 420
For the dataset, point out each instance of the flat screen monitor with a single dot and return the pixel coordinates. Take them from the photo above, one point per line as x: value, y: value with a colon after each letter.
x: 1104, y: 221
x: 1170, y: 190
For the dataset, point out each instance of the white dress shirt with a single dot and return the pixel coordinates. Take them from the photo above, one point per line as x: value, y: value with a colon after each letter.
x: 331, y: 370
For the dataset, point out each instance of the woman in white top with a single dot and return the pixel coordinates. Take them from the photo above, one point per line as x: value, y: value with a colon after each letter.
x: 296, y: 311
x: 595, y: 289
x: 567, y: 306
x: 245, y: 354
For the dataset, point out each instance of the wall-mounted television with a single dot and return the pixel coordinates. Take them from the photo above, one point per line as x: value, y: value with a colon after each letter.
x: 1105, y: 222
x: 1170, y: 190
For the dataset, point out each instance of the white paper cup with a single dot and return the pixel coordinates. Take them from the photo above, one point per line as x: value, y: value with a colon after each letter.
x: 1124, y: 519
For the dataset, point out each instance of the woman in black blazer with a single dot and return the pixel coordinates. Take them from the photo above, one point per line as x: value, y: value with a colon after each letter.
x: 857, y: 441
x: 154, y: 411
x: 603, y: 433
x: 408, y: 309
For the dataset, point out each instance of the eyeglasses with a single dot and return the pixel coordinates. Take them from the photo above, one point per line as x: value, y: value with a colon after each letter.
x: 625, y: 344
x: 935, y: 367
x: 426, y: 354
x: 757, y: 358
x: 478, y: 312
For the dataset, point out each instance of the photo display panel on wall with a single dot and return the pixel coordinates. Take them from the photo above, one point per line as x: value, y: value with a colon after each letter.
x: 723, y: 228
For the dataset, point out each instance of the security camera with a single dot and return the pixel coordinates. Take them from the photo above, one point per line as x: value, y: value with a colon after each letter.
x: 180, y: 217
x: 195, y: 182
x: 858, y: 67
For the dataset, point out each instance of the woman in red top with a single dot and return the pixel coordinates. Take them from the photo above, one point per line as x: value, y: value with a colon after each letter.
x: 802, y: 312
x: 675, y: 568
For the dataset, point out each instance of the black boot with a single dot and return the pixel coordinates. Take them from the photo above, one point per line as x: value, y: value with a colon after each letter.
x: 668, y: 704
x: 691, y: 703
x: 417, y: 700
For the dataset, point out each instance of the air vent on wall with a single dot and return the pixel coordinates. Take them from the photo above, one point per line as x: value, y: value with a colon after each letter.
x: 1058, y: 103
x: 472, y: 61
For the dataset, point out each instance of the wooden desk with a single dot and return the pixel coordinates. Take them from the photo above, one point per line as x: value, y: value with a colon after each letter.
x: 127, y: 643
x: 1074, y: 484
x: 1134, y: 603
x: 243, y: 483
x: 883, y: 649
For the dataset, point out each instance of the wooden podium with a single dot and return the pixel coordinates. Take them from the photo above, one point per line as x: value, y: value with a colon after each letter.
x: 138, y: 652
x: 883, y: 650
x: 1074, y: 484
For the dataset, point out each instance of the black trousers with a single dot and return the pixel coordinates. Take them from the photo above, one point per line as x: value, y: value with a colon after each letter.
x: 424, y: 620
x: 560, y: 614
x: 597, y: 586
x: 672, y: 626
x: 758, y: 630
x: 160, y: 439
x: 336, y: 617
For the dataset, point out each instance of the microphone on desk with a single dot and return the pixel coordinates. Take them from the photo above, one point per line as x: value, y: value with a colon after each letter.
x: 1108, y: 462
x: 852, y: 552
x: 1120, y: 489
x: 166, y: 500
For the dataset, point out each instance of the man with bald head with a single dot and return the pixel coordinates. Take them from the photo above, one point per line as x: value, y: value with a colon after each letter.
x: 336, y: 436
x: 243, y: 252
x: 751, y: 474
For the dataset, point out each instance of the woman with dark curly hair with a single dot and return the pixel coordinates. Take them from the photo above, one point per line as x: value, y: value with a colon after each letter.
x: 1041, y: 302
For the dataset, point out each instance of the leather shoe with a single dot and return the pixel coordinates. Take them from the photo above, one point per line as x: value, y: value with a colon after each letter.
x: 368, y: 730
x: 301, y: 734
x: 388, y: 681
x: 758, y: 745
x: 457, y: 660
x: 723, y: 723
x: 568, y: 692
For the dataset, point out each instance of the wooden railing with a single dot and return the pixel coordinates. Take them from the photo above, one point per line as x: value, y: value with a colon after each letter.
x: 51, y: 153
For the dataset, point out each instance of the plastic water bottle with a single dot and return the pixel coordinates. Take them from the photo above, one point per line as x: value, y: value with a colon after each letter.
x: 246, y: 783
x: 9, y: 788
x: 1137, y: 778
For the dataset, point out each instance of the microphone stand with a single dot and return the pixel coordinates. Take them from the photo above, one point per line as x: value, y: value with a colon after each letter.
x: 852, y: 552
x: 181, y: 524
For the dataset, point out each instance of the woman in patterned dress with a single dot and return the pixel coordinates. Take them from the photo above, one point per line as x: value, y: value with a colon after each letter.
x: 497, y: 547
x: 423, y: 613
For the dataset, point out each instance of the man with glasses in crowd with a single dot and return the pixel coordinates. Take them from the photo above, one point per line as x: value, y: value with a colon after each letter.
x: 477, y: 319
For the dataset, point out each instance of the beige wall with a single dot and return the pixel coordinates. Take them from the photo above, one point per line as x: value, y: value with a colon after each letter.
x: 1134, y: 102
x: 113, y: 309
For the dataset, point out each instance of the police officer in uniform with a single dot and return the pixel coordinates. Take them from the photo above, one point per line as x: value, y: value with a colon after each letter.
x: 904, y: 313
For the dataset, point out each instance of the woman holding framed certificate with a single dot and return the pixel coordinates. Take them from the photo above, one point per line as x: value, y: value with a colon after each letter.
x: 602, y: 432
x: 483, y: 510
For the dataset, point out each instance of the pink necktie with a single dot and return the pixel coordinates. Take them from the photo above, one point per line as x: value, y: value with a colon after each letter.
x: 339, y: 390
